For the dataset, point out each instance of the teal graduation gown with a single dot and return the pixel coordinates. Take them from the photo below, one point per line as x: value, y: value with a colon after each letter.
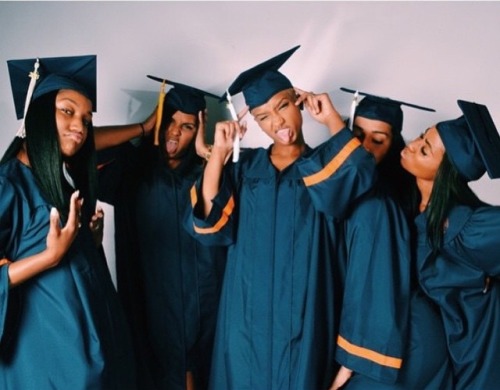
x: 463, y: 281
x: 176, y: 277
x: 390, y: 333
x: 277, y: 325
x: 64, y: 328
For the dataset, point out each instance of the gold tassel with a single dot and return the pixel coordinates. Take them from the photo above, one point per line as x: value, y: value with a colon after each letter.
x: 159, y: 113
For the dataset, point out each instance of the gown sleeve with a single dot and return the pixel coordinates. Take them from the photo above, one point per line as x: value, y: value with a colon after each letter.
x: 480, y: 240
x: 218, y: 228
x: 337, y: 172
x: 116, y: 166
x: 7, y: 207
x: 373, y: 324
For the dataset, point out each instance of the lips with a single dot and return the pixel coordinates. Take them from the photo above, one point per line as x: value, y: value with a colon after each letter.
x: 77, y: 137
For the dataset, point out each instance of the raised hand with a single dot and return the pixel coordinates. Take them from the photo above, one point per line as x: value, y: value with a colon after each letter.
x: 60, y: 239
x: 321, y: 108
x: 202, y: 148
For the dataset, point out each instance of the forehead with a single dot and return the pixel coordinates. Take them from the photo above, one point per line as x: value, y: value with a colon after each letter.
x: 373, y: 125
x: 275, y: 99
x: 431, y: 135
x: 76, y: 97
x: 180, y: 116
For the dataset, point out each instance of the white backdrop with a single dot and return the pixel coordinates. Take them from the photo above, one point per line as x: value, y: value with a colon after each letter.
x: 427, y: 53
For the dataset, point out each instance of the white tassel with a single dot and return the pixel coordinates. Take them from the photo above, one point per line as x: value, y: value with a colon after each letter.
x: 21, y: 133
x: 354, y: 104
x: 234, y: 116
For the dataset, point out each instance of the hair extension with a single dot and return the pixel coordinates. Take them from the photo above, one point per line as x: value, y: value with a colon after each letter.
x: 46, y: 160
x: 394, y: 180
x: 43, y: 150
x: 450, y: 189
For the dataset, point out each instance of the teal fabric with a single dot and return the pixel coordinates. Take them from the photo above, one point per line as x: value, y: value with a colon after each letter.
x: 456, y: 280
x: 64, y: 328
x: 277, y: 322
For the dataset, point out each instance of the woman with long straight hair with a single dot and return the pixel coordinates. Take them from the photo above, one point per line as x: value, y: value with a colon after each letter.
x: 458, y: 261
x: 61, y: 325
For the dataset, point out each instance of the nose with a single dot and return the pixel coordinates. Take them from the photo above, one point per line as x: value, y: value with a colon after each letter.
x: 412, y: 145
x: 77, y: 124
x: 174, y: 130
x: 278, y: 121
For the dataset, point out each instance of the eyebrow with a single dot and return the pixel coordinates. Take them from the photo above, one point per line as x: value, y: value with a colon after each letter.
x: 427, y: 142
x: 75, y: 103
x: 383, y: 132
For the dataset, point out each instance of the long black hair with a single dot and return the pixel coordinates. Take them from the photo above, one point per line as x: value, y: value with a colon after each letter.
x: 450, y: 189
x: 46, y: 160
x: 394, y: 180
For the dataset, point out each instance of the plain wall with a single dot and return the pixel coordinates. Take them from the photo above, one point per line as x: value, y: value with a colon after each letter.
x: 427, y: 53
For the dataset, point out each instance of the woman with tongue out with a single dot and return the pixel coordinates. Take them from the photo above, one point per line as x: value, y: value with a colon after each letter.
x: 273, y: 210
x: 169, y: 282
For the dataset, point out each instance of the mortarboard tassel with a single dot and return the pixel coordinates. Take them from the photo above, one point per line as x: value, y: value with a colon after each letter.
x: 234, y: 116
x: 34, y: 75
x: 354, y: 104
x: 159, y: 113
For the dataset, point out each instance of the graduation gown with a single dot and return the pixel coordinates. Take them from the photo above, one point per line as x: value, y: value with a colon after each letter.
x: 390, y: 334
x: 63, y: 328
x: 179, y: 278
x: 463, y: 281
x: 277, y: 326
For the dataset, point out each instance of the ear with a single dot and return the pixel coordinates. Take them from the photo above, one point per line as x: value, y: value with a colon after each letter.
x: 301, y: 105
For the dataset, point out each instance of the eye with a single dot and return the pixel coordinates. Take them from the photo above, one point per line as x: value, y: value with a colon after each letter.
x: 87, y: 123
x: 189, y: 127
x: 262, y: 118
x: 423, y: 151
x: 284, y: 105
x: 66, y: 111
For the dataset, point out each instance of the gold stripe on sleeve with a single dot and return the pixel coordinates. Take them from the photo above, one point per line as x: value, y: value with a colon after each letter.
x: 376, y: 357
x: 226, y: 213
x: 333, y: 165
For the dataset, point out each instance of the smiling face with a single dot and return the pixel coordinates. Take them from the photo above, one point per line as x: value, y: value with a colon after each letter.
x: 422, y: 157
x: 280, y: 118
x: 73, y: 118
x: 375, y: 135
x: 179, y: 135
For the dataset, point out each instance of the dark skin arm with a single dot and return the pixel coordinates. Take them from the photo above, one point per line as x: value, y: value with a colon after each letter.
x: 108, y: 136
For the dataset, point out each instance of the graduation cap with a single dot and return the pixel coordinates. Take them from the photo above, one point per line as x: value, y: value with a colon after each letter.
x: 472, y: 142
x: 185, y: 98
x: 182, y: 97
x: 34, y: 77
x: 380, y: 108
x: 77, y: 73
x: 261, y: 82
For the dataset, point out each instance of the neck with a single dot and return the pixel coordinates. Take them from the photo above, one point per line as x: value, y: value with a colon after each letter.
x: 284, y: 155
x: 425, y: 188
x: 22, y: 155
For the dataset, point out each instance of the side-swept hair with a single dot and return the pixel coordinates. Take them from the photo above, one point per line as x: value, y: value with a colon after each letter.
x: 46, y: 160
x: 450, y: 189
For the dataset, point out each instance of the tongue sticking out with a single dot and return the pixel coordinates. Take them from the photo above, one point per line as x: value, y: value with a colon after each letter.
x: 284, y: 135
x: 172, y: 146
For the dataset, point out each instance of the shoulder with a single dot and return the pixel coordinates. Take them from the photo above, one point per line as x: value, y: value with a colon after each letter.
x: 468, y: 223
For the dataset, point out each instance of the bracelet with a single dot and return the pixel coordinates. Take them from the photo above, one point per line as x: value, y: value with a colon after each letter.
x: 143, y: 130
x: 209, y: 153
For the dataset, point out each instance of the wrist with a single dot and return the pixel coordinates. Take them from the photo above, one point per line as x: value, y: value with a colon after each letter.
x: 143, y: 130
